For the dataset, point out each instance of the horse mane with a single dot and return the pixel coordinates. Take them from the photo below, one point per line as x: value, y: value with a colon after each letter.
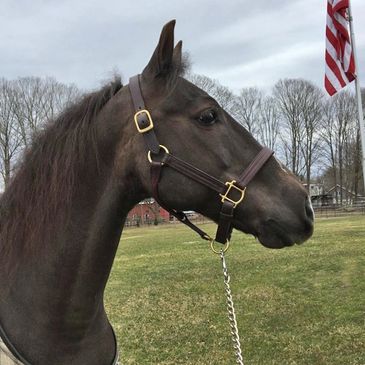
x: 43, y: 187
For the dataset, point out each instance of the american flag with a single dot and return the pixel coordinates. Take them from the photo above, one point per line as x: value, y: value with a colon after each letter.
x: 340, y: 65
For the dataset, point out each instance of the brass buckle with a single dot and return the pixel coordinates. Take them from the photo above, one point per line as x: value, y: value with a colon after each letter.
x: 150, y: 125
x: 231, y: 184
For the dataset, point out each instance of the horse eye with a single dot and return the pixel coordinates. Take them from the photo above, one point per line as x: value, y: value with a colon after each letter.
x: 208, y: 117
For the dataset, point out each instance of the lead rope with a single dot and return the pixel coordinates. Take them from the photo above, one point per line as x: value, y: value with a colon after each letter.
x: 230, y: 306
x: 231, y: 312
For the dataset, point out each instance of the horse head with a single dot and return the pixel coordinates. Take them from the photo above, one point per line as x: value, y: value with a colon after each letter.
x: 190, y: 124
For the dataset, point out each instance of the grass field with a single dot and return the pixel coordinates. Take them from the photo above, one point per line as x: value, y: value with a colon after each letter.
x: 303, y: 305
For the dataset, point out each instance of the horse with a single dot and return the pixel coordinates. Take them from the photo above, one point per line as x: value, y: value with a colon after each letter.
x: 62, y: 215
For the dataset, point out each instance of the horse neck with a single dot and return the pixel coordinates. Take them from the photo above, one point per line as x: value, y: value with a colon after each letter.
x: 58, y: 293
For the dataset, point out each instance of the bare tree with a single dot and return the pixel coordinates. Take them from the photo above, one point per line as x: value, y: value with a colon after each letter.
x: 340, y: 135
x: 289, y: 98
x: 57, y: 97
x: 345, y: 116
x: 38, y: 100
x: 222, y: 94
x: 328, y: 136
x: 300, y: 105
x: 248, y: 108
x: 311, y: 113
x: 352, y: 160
x: 25, y: 105
x: 269, y: 122
x: 10, y: 138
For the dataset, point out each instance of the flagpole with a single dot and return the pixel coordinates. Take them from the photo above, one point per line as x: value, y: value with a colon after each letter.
x: 358, y: 92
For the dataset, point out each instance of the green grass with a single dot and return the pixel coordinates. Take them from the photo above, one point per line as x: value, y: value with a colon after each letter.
x: 302, y: 305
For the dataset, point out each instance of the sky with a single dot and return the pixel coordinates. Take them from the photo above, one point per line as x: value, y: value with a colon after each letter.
x: 240, y: 43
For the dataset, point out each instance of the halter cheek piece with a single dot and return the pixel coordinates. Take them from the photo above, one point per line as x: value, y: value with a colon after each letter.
x: 231, y: 193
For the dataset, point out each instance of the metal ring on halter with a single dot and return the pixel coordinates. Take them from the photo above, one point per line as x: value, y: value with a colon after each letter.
x: 224, y: 249
x: 149, y: 153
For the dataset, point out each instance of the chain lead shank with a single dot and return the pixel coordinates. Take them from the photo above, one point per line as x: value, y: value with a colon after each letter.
x: 231, y: 313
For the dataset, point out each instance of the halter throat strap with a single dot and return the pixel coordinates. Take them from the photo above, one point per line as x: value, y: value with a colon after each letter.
x: 231, y: 193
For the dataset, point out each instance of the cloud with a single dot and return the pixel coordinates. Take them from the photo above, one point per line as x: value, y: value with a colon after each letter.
x: 242, y: 43
x: 265, y: 71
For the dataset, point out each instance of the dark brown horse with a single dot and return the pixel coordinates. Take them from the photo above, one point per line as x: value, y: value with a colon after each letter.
x: 62, y: 215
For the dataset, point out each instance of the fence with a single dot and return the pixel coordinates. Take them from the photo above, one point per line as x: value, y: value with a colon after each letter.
x: 339, y: 210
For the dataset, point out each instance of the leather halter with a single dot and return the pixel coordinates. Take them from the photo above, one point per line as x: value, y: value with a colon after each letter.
x: 232, y: 192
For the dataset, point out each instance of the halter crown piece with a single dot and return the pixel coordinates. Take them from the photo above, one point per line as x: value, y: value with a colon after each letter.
x: 231, y: 193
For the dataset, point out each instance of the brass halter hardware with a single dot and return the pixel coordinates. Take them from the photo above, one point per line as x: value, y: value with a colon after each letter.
x: 161, y: 146
x: 222, y: 249
x: 150, y: 121
x: 231, y: 185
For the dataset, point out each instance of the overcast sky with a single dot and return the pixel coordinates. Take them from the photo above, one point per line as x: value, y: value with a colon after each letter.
x: 240, y: 43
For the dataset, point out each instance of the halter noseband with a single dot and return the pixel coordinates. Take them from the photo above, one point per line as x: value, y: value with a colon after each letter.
x: 231, y: 193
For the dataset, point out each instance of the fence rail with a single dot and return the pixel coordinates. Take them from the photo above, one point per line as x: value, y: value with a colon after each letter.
x: 339, y: 210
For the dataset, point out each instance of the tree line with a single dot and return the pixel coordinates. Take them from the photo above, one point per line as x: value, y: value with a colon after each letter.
x: 317, y: 137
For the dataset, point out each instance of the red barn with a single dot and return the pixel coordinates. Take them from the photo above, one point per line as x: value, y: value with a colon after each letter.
x: 147, y: 212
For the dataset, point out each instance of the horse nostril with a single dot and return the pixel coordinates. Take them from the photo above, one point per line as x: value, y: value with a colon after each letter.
x: 308, y: 209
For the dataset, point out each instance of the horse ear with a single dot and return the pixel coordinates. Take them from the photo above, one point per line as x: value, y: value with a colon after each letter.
x: 162, y: 59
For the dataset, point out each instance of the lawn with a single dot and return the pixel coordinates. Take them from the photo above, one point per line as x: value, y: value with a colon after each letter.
x: 302, y: 305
